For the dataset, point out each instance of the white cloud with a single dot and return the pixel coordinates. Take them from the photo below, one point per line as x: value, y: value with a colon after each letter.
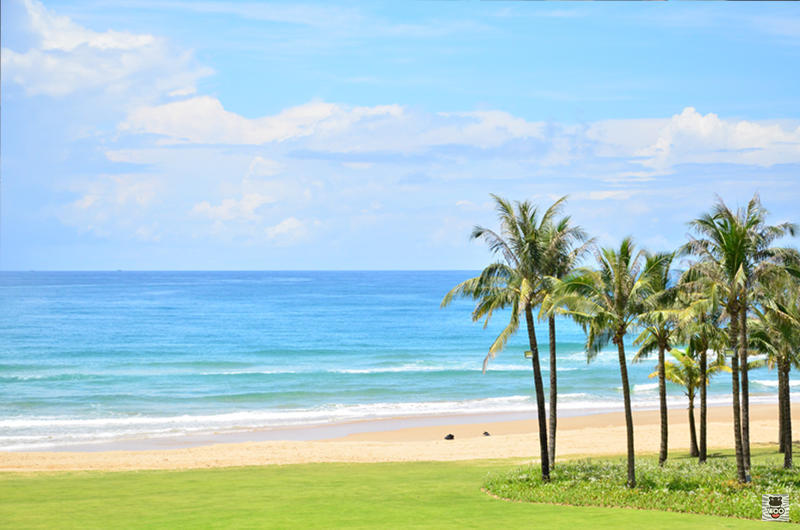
x: 307, y: 154
x: 118, y: 191
x: 149, y: 233
x: 470, y: 206
x: 204, y: 120
x: 289, y: 231
x: 60, y: 33
x: 113, y: 202
x: 484, y: 129
x: 259, y: 198
x: 68, y: 58
x: 603, y: 195
x: 648, y: 146
x: 263, y: 167
x: 693, y: 138
x: 329, y: 126
x: 690, y: 137
x: 244, y: 209
x: 228, y: 190
x: 623, y: 138
x: 180, y: 92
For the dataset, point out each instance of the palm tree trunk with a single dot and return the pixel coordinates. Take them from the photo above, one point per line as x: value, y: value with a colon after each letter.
x: 787, y: 418
x: 692, y: 432
x: 743, y: 346
x: 537, y: 381
x: 662, y: 403
x: 781, y: 409
x: 703, y: 405
x: 551, y: 322
x: 733, y: 335
x: 626, y: 395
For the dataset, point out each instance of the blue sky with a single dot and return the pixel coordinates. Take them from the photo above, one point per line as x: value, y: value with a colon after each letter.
x: 243, y: 135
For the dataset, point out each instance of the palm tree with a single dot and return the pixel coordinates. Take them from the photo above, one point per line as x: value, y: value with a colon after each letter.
x: 659, y: 324
x: 562, y: 253
x: 607, y: 302
x: 776, y: 333
x: 686, y: 372
x: 734, y: 251
x: 516, y: 283
x: 699, y: 324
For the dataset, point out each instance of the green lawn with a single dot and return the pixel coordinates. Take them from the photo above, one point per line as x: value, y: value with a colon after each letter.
x: 681, y: 485
x: 419, y: 495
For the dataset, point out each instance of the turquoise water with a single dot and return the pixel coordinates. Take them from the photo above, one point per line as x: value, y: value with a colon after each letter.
x: 104, y: 356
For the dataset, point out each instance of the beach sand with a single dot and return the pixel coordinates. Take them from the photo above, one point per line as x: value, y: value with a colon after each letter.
x: 598, y: 434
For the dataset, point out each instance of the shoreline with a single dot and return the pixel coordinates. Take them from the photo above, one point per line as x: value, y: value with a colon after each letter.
x: 342, y: 428
x: 404, y: 439
x: 310, y: 432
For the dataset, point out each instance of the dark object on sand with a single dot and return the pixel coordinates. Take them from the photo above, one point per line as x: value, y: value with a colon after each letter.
x: 449, y: 437
x: 486, y: 433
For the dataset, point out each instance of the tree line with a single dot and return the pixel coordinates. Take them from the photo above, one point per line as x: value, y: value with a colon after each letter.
x: 737, y: 298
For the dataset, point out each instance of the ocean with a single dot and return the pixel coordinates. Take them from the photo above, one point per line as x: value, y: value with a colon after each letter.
x: 99, y: 357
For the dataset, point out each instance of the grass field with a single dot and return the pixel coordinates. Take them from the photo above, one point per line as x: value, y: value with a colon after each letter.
x: 418, y: 495
x: 681, y: 485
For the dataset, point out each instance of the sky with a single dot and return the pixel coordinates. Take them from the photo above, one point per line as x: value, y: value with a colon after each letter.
x: 269, y: 136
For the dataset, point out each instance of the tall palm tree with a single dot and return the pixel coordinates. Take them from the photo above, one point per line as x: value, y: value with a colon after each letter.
x: 686, y: 372
x: 658, y: 327
x: 516, y: 282
x: 734, y: 251
x: 776, y: 333
x: 565, y: 244
x: 607, y: 302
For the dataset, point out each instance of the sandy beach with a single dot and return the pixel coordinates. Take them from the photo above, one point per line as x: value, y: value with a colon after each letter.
x: 598, y: 434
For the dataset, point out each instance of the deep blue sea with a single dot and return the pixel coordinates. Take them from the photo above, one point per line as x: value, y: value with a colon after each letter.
x: 105, y: 356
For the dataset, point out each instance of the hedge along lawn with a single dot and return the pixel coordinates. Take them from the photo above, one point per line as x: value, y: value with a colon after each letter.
x: 395, y: 495
x: 682, y: 485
